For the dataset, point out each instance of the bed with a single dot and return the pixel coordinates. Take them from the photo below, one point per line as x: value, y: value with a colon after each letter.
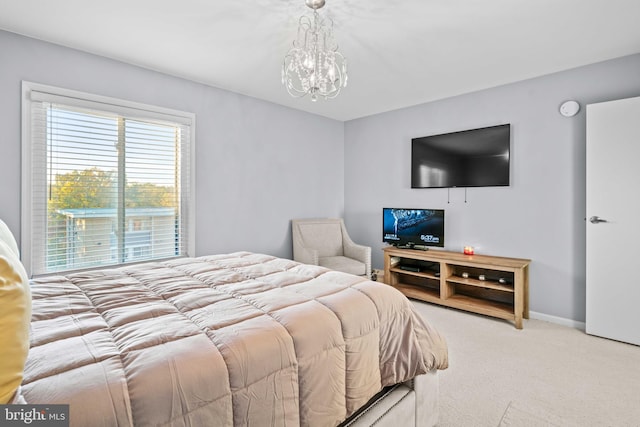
x: 230, y: 339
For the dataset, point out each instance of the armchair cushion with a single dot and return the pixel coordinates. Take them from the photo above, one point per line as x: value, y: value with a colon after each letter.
x: 342, y: 263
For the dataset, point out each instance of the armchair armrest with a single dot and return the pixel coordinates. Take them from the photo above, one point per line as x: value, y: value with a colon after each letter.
x: 359, y: 252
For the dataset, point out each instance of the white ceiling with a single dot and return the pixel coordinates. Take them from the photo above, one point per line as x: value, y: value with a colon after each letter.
x: 400, y: 52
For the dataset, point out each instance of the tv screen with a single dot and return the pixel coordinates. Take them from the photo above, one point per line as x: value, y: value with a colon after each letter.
x: 413, y: 227
x: 471, y: 158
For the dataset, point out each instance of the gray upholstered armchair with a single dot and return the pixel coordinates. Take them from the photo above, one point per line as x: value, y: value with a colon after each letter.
x: 325, y: 242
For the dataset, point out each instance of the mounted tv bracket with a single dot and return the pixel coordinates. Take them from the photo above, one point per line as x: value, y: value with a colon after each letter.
x: 449, y: 194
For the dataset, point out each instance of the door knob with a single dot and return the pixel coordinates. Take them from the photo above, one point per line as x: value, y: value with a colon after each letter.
x: 595, y: 220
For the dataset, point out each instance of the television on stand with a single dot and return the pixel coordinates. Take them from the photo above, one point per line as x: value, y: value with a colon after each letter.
x: 413, y: 228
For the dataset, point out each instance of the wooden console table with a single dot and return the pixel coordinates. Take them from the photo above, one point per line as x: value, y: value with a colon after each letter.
x: 489, y: 285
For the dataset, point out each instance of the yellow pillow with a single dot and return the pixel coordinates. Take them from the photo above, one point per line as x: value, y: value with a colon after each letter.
x: 7, y: 236
x: 15, y: 315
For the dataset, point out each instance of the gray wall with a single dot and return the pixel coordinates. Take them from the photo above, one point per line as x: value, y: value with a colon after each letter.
x: 258, y: 164
x: 540, y: 216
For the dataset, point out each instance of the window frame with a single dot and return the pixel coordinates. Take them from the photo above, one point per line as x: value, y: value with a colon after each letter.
x: 36, y: 92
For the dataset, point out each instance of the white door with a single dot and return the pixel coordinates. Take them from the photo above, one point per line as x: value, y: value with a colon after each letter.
x: 613, y: 220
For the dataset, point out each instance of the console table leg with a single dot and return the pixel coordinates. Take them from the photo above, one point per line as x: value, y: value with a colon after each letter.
x: 526, y: 292
x: 519, y: 297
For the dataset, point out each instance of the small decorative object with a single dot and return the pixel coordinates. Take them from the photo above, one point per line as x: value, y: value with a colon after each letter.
x: 468, y: 250
x: 465, y: 274
x: 502, y: 280
x: 481, y: 277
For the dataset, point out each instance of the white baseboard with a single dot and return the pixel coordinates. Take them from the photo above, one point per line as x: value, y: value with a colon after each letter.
x: 558, y: 320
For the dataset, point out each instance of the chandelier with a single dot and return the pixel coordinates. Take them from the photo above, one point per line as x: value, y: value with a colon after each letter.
x: 313, y: 65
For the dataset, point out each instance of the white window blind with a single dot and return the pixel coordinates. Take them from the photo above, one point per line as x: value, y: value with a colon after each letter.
x: 106, y: 182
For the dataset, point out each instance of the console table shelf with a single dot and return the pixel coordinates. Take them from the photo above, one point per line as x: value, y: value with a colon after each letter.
x: 493, y: 286
x: 415, y: 273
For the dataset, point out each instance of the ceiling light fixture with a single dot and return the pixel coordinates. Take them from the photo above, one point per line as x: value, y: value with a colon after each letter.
x: 313, y: 65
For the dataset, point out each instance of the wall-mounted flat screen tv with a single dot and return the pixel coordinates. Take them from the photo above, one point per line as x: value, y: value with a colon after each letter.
x: 470, y: 158
x: 413, y: 227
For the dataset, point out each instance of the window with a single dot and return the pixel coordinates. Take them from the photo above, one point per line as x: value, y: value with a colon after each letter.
x: 105, y: 181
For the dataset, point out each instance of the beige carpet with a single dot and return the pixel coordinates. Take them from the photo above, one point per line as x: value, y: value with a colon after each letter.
x: 526, y: 414
x: 542, y: 375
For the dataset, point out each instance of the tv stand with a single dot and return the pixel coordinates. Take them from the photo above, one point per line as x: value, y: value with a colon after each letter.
x: 489, y: 285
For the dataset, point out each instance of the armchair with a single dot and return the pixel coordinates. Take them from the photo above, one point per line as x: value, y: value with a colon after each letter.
x: 325, y: 242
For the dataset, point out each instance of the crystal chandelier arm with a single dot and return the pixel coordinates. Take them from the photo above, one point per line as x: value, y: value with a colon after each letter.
x: 304, y: 26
